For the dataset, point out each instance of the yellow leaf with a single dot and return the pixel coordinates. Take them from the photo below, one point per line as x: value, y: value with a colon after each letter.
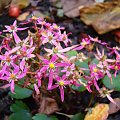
x: 99, y: 112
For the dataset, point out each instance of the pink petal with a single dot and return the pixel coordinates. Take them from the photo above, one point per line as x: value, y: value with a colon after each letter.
x: 62, y: 64
x: 54, y: 58
x: 22, y: 28
x: 12, y: 86
x: 17, y: 39
x: 79, y: 48
x: 15, y: 23
x: 50, y: 79
x: 63, y: 57
x: 36, y: 89
x: 22, y: 64
x: 67, y: 49
x: 14, y: 50
x: 62, y: 93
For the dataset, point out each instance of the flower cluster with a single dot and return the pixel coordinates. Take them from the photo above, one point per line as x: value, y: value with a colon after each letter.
x: 56, y: 68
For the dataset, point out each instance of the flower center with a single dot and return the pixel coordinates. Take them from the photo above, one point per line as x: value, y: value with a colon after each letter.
x: 50, y: 38
x: 8, y: 59
x: 12, y: 27
x: 12, y: 76
x: 61, y: 83
x: 83, y: 43
x: 116, y: 67
x: 95, y: 70
x: 34, y: 18
x: 51, y: 65
x: 55, y: 50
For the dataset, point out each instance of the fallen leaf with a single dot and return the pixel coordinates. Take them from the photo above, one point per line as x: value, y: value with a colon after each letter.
x: 21, y: 3
x: 4, y: 4
x: 104, y: 17
x: 23, y: 16
x: 116, y: 33
x: 70, y: 7
x: 37, y: 14
x: 99, y: 112
x: 114, y: 108
x: 48, y: 106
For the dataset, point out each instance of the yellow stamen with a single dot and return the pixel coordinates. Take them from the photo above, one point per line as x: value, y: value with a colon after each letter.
x: 95, y: 70
x: 51, y: 65
x: 61, y: 83
x: 34, y: 18
x: 116, y: 67
x: 12, y: 76
x: 83, y: 43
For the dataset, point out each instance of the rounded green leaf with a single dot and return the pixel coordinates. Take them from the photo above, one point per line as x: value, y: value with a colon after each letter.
x: 18, y: 106
x: 71, y: 53
x: 43, y: 117
x: 115, y: 84
x: 79, y: 89
x: 21, y: 93
x: 22, y: 115
x: 78, y: 116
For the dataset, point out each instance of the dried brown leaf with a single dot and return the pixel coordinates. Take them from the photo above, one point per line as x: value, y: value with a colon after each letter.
x: 114, y: 108
x: 104, y: 17
x: 23, y: 16
x: 48, y: 106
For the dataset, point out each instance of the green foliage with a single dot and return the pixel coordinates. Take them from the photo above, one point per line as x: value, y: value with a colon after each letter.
x: 21, y: 115
x: 82, y: 64
x: 115, y: 84
x: 43, y: 117
x: 78, y: 116
x: 95, y: 61
x: 18, y: 106
x: 21, y: 93
x: 79, y: 89
x: 71, y: 53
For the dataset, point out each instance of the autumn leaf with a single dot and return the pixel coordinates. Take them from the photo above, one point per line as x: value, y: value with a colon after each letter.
x: 99, y: 112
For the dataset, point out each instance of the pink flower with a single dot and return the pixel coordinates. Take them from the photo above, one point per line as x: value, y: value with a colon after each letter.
x: 96, y: 72
x: 8, y: 58
x: 61, y: 83
x: 91, y: 81
x: 116, y: 67
x: 48, y: 37
x: 13, y: 76
x: 25, y: 53
x: 51, y: 67
x: 83, y: 44
x: 13, y: 29
x: 59, y: 52
x: 69, y: 69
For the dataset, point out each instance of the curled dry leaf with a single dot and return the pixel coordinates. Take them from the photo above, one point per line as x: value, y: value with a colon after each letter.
x: 48, y: 106
x: 21, y: 3
x: 113, y: 108
x: 99, y: 112
x: 104, y: 17
x: 23, y: 16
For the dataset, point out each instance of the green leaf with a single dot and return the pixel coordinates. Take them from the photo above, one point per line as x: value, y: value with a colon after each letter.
x: 18, y: 106
x: 22, y: 115
x: 95, y: 61
x: 115, y: 82
x: 43, y: 117
x: 60, y: 12
x: 78, y: 116
x: 81, y: 64
x: 79, y: 89
x: 71, y: 53
x: 21, y: 93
